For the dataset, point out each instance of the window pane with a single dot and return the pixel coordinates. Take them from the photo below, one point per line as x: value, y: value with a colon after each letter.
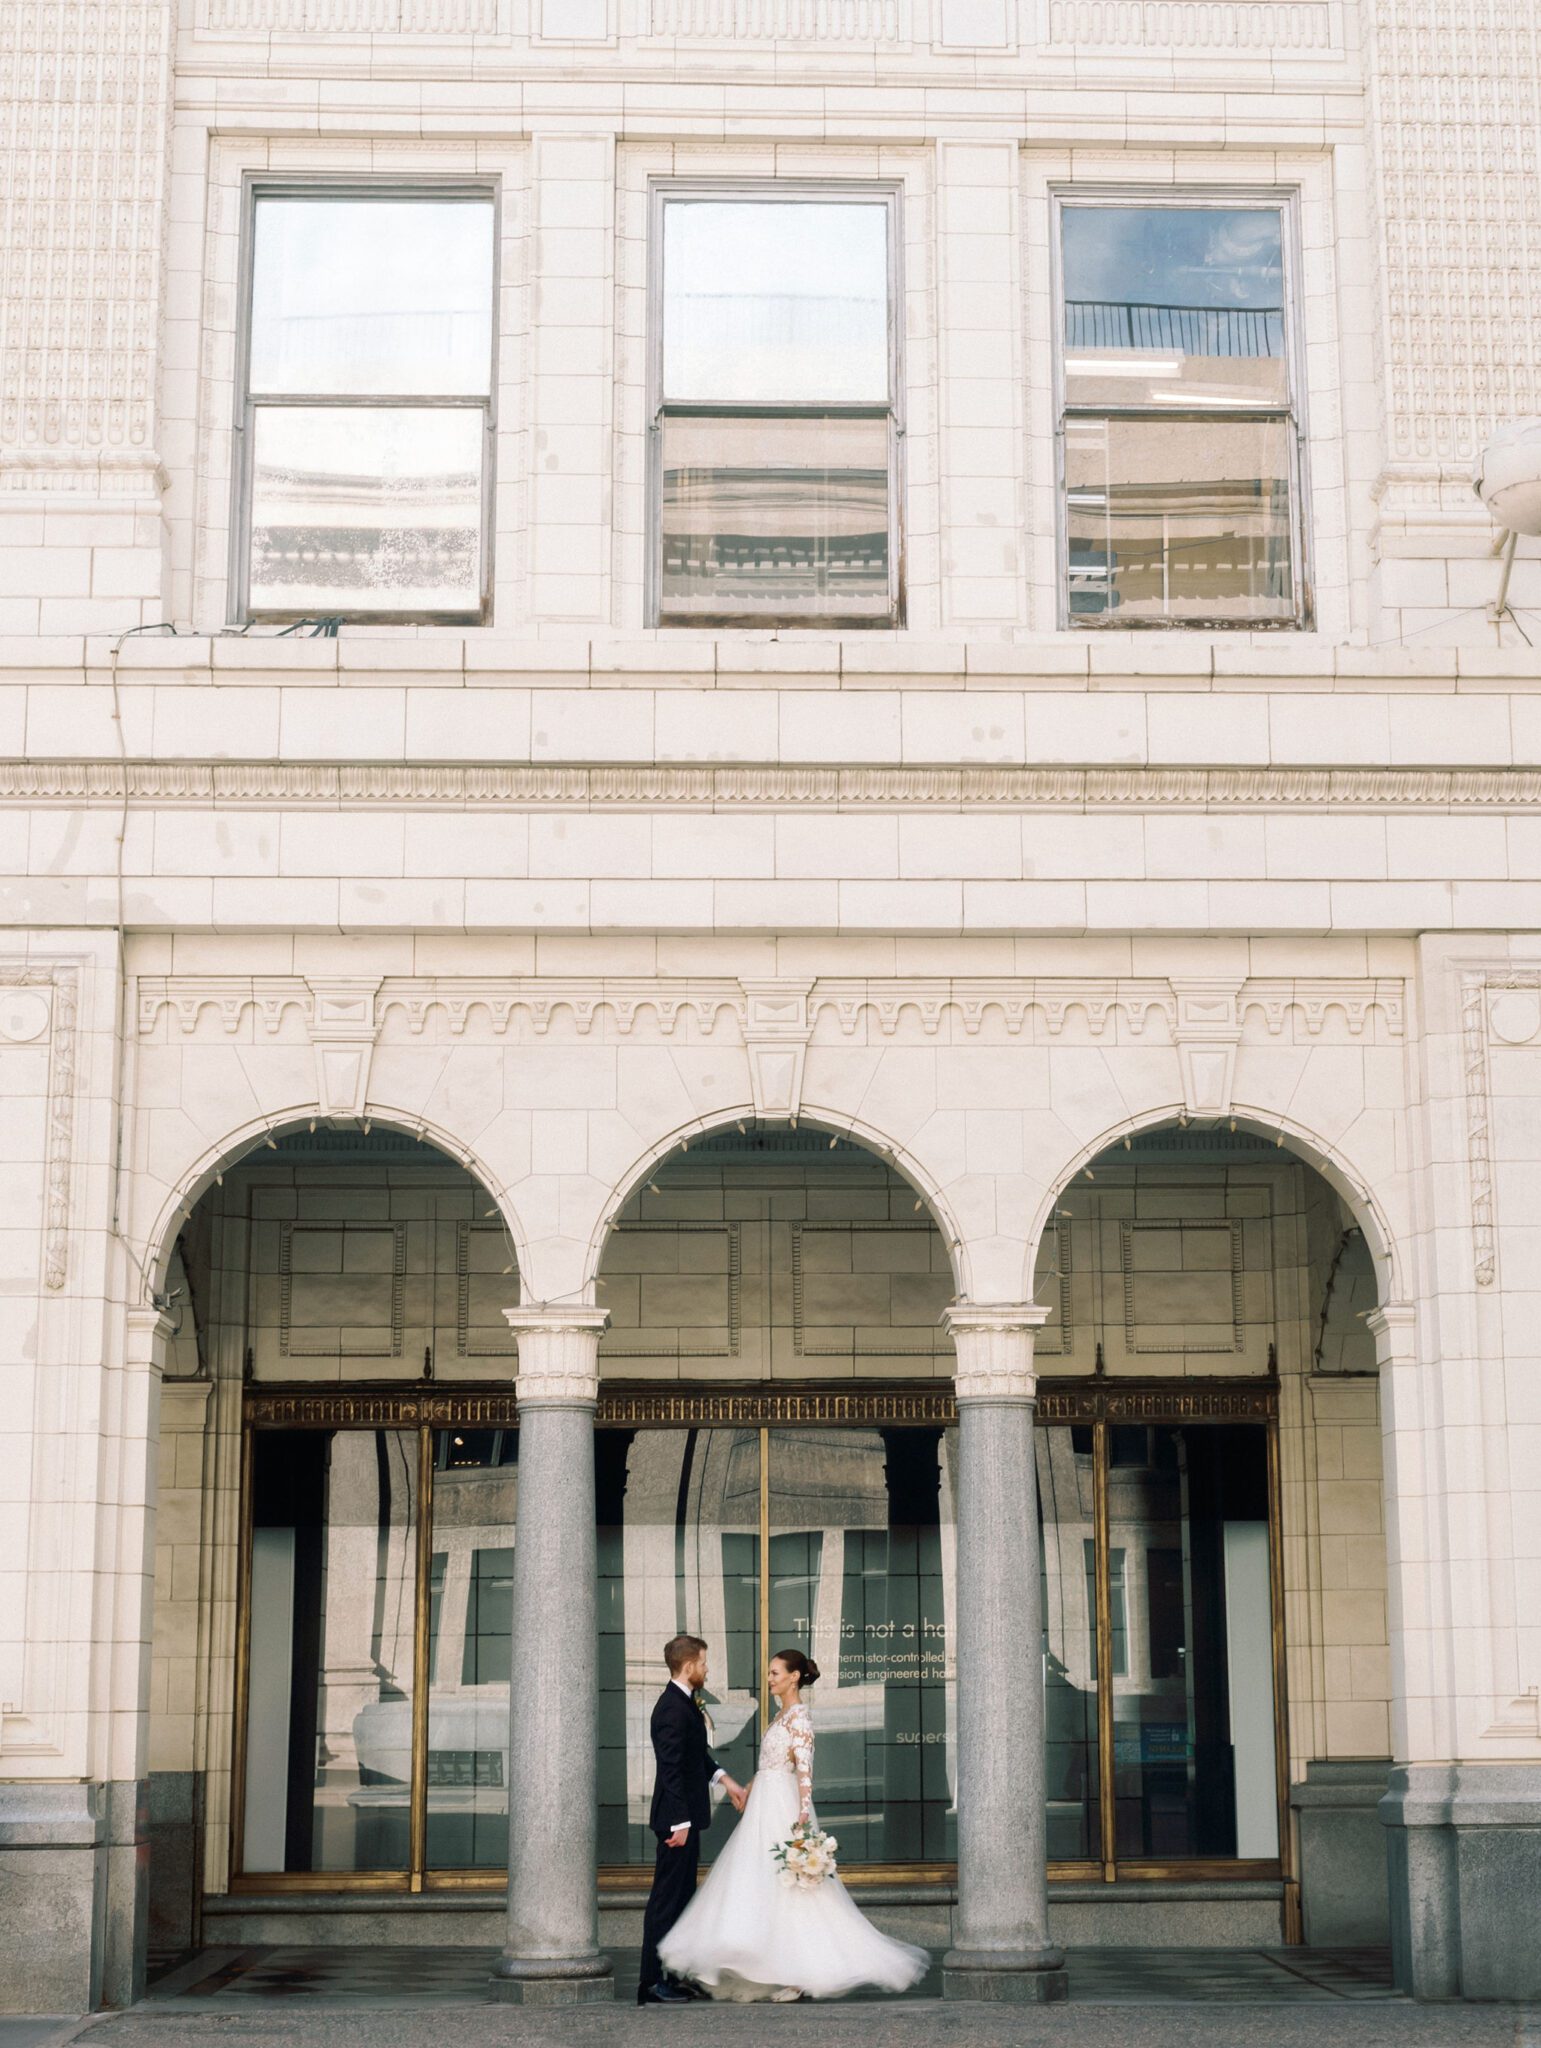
x: 775, y: 301
x: 1066, y: 1537
x: 366, y: 509
x: 329, y: 1717
x: 678, y: 1514
x: 863, y: 1557
x: 1179, y: 519
x: 356, y: 296
x: 783, y: 518
x: 1193, y: 1716
x: 1174, y: 305
x: 475, y: 1494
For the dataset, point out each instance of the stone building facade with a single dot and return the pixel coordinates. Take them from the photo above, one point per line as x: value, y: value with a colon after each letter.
x: 764, y: 842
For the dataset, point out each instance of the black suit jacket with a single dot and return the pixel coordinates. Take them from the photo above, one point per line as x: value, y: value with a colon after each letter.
x: 682, y: 1789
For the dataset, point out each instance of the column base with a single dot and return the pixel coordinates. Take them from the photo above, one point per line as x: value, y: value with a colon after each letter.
x: 553, y: 1980
x: 1006, y: 1976
x: 1464, y: 1847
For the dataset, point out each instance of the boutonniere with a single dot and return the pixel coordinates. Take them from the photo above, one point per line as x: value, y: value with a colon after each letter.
x: 700, y: 1700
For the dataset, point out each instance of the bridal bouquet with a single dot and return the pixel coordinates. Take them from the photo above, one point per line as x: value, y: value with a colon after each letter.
x: 807, y: 1856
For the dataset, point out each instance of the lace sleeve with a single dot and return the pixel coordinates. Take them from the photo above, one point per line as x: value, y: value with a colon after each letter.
x: 800, y: 1741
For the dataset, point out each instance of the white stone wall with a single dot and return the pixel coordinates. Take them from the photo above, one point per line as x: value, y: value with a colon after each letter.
x: 115, y: 435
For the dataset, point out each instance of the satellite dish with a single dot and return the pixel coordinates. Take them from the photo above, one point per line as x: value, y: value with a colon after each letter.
x: 1507, y: 477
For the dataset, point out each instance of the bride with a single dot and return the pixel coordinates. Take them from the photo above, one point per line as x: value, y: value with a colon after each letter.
x: 746, y: 1935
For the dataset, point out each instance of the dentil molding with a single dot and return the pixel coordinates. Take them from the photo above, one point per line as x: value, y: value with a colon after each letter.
x: 524, y: 786
x: 777, y: 1020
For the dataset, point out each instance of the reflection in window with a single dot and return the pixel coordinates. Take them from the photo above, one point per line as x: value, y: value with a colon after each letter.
x: 862, y: 1562
x: 1066, y: 1526
x: 475, y: 1497
x: 368, y: 405
x: 1181, y: 459
x: 774, y: 415
x: 678, y: 1519
x: 332, y: 1634
x: 1194, y: 1764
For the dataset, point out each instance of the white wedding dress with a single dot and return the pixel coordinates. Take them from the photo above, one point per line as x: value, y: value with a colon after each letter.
x: 746, y: 1935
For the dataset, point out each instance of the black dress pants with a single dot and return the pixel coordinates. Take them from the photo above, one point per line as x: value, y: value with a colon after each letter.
x: 674, y: 1885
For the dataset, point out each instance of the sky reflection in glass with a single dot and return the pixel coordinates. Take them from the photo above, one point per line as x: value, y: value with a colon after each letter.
x: 775, y: 302
x: 362, y: 297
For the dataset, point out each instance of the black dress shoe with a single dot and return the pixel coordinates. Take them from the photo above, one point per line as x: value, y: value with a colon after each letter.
x: 691, y: 1989
x: 663, y: 1994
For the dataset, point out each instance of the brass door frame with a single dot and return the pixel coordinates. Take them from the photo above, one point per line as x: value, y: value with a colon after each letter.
x: 425, y: 1408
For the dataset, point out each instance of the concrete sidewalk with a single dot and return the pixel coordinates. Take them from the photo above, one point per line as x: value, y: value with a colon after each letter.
x: 918, y: 2023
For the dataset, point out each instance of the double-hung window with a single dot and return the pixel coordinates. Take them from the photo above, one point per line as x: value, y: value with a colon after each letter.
x: 1179, y: 425
x: 364, y: 470
x: 774, y: 409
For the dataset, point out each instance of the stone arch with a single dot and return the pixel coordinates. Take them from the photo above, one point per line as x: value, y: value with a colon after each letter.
x: 1340, y: 1173
x: 206, y: 1168
x: 820, y: 1118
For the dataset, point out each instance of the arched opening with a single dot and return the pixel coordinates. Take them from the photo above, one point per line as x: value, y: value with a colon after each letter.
x: 330, y: 1653
x: 775, y: 1466
x: 1214, y: 1570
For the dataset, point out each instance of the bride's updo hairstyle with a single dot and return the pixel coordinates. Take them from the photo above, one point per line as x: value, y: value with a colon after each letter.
x: 802, y: 1668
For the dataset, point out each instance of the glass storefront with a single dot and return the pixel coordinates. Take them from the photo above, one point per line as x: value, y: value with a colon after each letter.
x: 375, y: 1639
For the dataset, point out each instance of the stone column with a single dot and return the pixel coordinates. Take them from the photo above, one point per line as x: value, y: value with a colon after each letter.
x: 552, y: 1954
x: 129, y: 1449
x: 1001, y: 1948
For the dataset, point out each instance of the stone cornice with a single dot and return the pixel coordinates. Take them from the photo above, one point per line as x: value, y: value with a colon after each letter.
x: 523, y: 786
x: 1044, y: 1010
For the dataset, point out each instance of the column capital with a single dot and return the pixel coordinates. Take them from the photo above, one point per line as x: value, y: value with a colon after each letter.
x: 994, y: 1343
x: 558, y: 1354
x: 149, y: 1333
x: 1392, y: 1326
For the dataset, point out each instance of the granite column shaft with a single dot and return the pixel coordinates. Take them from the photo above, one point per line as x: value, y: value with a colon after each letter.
x: 552, y: 1954
x: 1001, y: 1949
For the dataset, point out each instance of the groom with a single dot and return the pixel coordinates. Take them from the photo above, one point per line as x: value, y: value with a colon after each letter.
x: 682, y: 1808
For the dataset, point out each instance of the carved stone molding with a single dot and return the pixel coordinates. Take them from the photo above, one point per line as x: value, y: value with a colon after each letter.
x: 83, y: 155
x: 1517, y: 1719
x: 558, y: 1355
x: 1229, y: 1278
x: 344, y: 1025
x: 633, y: 1344
x: 1504, y: 1004
x: 1048, y: 1008
x: 869, y: 23
x: 767, y: 1015
x: 995, y: 1349
x: 777, y: 1027
x: 1207, y: 1028
x: 521, y: 786
x: 44, y: 1002
x: 1196, y: 28
x: 1455, y: 110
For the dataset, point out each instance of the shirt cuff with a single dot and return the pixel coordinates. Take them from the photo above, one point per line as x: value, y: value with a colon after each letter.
x: 718, y: 1776
x: 685, y: 1824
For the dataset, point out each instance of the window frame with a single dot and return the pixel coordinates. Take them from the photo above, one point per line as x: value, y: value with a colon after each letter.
x: 257, y: 187
x: 831, y: 191
x: 1100, y: 1405
x: 1284, y: 200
